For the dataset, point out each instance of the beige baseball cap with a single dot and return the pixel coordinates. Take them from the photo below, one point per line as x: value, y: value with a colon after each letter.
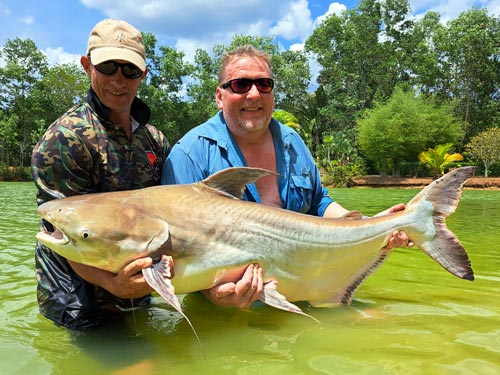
x: 116, y: 40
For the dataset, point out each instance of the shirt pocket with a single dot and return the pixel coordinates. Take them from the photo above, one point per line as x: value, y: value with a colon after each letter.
x: 300, y: 193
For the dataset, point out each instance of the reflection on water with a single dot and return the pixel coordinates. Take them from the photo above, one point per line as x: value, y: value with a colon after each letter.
x: 411, y: 317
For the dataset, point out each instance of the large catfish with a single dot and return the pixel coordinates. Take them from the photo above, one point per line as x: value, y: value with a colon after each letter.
x: 207, y: 234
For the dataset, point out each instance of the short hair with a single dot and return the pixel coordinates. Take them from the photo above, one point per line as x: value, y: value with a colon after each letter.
x: 242, y: 51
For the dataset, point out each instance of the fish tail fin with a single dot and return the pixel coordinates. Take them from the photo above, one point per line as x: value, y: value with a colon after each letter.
x: 445, y: 248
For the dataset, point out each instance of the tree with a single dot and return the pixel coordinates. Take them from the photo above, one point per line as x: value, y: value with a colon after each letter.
x: 469, y: 55
x: 485, y: 148
x: 288, y: 119
x: 292, y: 76
x: 8, y: 138
x: 201, y: 89
x: 58, y: 89
x: 24, y: 66
x: 164, y: 89
x: 340, y: 158
x: 399, y: 129
x: 363, y: 53
x: 438, y: 158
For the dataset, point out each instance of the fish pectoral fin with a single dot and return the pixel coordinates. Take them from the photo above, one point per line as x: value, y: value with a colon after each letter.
x: 162, y: 234
x: 270, y: 296
x: 158, y: 277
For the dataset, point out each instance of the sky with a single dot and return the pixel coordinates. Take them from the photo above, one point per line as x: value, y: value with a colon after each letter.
x: 60, y: 28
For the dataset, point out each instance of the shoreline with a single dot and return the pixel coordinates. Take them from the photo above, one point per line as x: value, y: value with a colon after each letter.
x: 491, y: 183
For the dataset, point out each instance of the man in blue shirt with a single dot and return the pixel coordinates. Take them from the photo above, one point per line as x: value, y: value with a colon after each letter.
x: 244, y: 133
x: 210, y: 147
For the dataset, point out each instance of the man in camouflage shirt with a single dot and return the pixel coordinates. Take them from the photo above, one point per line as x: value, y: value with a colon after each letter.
x: 103, y: 144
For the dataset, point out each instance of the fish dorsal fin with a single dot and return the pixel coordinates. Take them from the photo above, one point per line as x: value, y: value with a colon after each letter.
x: 232, y: 181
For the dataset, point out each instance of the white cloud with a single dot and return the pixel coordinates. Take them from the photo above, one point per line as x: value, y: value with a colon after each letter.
x: 333, y: 8
x: 296, y: 23
x: 28, y: 20
x: 189, y: 47
x: 493, y: 7
x: 192, y: 24
x: 448, y: 9
x: 297, y: 47
x: 58, y: 56
x: 193, y: 19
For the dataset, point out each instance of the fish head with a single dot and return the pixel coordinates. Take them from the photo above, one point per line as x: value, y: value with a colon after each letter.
x: 105, y: 235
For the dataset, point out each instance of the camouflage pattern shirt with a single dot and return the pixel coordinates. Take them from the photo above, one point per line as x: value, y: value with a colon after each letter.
x: 82, y: 152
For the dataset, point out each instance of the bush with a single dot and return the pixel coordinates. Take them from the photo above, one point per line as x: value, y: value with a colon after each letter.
x: 15, y: 173
x: 342, y: 175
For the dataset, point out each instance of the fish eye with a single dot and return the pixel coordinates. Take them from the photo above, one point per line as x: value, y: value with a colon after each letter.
x: 86, y: 235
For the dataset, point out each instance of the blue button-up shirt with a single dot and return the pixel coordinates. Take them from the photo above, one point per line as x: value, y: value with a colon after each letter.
x: 210, y: 147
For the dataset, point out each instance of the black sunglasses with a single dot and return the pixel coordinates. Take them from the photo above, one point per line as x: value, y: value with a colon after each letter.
x: 243, y: 85
x: 109, y: 68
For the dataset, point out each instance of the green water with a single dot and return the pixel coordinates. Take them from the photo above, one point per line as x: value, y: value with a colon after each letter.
x: 410, y: 317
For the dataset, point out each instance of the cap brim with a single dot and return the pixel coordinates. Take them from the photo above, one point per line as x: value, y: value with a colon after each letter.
x: 100, y: 55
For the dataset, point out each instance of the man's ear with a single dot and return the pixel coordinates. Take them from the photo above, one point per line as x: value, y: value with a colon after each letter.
x: 218, y: 98
x: 86, y: 64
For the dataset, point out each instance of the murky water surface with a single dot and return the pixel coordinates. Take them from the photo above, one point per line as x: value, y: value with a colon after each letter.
x: 410, y: 317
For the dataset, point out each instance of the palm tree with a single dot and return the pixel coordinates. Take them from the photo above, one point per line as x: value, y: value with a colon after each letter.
x: 288, y: 119
x: 438, y: 158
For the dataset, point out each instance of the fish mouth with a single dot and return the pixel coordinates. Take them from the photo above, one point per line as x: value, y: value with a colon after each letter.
x: 55, y: 237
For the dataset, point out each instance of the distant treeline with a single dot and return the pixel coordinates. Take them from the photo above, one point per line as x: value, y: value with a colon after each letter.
x: 389, y: 87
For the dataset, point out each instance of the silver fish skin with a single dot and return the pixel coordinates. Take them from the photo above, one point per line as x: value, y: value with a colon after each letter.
x: 206, y: 235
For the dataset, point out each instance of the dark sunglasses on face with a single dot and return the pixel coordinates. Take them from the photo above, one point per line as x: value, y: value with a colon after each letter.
x: 243, y: 85
x: 111, y: 67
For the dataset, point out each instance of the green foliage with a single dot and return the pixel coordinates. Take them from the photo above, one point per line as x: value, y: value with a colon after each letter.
x: 24, y: 66
x: 438, y: 158
x: 60, y: 88
x: 339, y: 158
x: 469, y: 66
x: 292, y: 77
x: 288, y: 119
x: 363, y: 52
x: 362, y: 112
x: 202, y: 89
x: 15, y: 173
x: 366, y: 52
x: 485, y: 148
x: 8, y: 138
x: 164, y: 87
x: 399, y: 129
